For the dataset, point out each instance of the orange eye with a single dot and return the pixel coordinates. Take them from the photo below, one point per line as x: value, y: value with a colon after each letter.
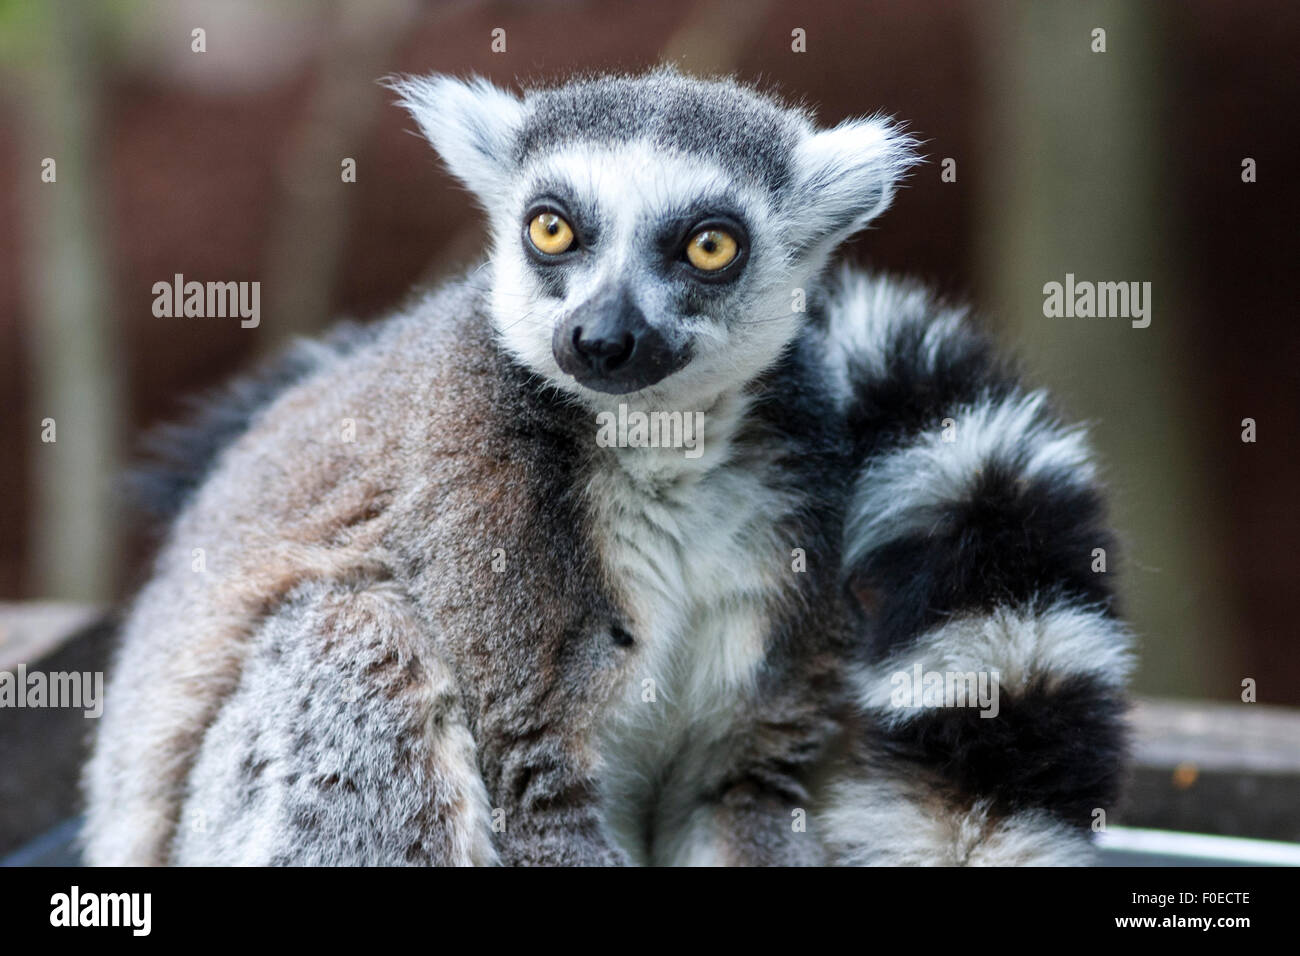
x: 550, y: 234
x: 712, y: 249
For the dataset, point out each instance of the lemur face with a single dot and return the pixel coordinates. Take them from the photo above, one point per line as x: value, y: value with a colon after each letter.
x: 651, y: 234
x: 637, y: 264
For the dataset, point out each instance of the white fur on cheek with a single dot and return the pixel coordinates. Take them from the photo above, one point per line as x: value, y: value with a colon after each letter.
x: 524, y: 318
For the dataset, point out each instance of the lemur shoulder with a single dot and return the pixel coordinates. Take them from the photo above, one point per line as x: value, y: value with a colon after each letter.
x: 469, y: 633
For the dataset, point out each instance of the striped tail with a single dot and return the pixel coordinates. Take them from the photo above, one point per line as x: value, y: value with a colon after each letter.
x: 991, y: 680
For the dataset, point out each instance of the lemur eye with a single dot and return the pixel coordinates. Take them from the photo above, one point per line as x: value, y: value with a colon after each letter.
x: 712, y: 249
x: 550, y: 233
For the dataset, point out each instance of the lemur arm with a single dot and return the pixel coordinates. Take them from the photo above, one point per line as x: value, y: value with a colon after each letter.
x: 346, y: 743
x: 975, y: 544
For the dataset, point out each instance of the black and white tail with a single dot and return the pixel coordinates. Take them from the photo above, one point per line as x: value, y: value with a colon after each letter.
x: 977, y: 551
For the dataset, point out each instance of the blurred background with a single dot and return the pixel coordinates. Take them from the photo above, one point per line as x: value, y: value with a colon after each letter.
x: 1124, y: 164
x: 1138, y: 142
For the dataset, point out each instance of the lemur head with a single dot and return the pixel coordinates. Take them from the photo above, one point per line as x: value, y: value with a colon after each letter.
x: 649, y: 232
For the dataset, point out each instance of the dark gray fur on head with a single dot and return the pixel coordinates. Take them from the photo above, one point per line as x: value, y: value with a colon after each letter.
x: 750, y: 134
x: 841, y: 177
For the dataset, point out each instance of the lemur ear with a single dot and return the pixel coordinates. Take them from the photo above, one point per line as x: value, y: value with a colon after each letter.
x: 471, y: 123
x: 846, y: 176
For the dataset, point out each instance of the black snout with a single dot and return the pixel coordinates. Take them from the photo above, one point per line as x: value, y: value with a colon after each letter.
x: 608, y: 346
x: 603, y: 348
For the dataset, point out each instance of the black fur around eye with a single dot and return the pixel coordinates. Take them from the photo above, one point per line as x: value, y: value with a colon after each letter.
x: 549, y: 235
x: 714, y: 249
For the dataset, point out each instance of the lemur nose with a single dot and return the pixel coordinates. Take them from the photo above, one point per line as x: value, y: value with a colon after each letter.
x: 604, y: 352
x: 609, y: 346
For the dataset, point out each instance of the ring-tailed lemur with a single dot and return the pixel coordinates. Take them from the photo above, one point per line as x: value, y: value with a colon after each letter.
x: 414, y: 609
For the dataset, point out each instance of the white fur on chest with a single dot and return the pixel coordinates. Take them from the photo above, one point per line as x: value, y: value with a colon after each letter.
x: 692, y: 548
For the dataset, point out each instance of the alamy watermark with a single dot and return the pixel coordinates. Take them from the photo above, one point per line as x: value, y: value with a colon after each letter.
x: 630, y: 428
x: 919, y: 688
x: 129, y: 910
x: 76, y: 689
x: 209, y: 300
x: 1102, y: 300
